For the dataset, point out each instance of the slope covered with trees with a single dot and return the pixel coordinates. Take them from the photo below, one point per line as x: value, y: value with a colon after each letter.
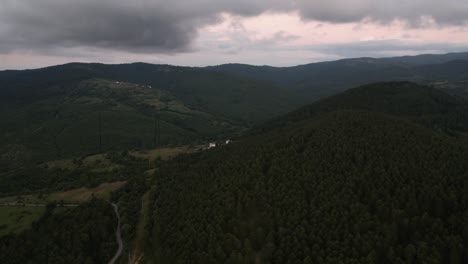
x: 377, y: 174
x: 347, y: 186
x: 322, y: 79
x: 78, y: 109
x: 55, y: 110
x: 424, y: 105
x: 65, y: 235
x: 100, y: 115
x: 221, y: 94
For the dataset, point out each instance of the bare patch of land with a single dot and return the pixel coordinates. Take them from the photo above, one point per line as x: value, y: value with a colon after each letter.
x: 138, y: 248
x: 164, y: 153
x: 73, y: 196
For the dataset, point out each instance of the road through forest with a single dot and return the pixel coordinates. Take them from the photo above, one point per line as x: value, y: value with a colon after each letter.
x: 118, y: 236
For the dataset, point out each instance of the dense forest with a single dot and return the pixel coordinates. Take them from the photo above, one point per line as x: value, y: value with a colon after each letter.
x: 427, y: 106
x: 377, y: 174
x: 132, y: 132
x: 82, y: 235
x: 79, y: 108
x: 349, y: 187
x: 323, y: 79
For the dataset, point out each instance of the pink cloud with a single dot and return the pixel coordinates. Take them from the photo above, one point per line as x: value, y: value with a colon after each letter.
x: 317, y: 32
x: 272, y: 38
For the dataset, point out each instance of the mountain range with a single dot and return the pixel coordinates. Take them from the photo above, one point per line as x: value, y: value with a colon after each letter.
x: 80, y: 108
x: 317, y: 171
x: 374, y: 175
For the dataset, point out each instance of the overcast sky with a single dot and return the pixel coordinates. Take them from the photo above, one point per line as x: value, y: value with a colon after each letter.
x: 35, y: 33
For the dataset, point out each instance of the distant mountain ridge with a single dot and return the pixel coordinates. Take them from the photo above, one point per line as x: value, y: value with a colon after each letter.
x: 421, y: 104
x: 55, y: 111
x: 196, y: 86
x: 425, y: 59
x: 322, y: 79
x: 310, y: 81
x: 217, y: 101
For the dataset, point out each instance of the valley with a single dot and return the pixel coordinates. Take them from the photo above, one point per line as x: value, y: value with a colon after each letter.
x: 350, y: 161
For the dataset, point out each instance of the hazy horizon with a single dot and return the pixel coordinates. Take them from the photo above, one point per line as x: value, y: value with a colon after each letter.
x: 208, y: 65
x: 36, y: 34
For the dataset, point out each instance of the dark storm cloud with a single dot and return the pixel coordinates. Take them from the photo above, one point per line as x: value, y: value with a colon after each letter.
x: 101, y: 24
x: 136, y: 26
x: 144, y: 26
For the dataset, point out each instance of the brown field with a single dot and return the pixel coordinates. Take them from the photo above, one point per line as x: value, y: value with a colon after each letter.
x: 102, y: 191
x: 73, y: 196
x: 98, y: 163
x: 164, y: 153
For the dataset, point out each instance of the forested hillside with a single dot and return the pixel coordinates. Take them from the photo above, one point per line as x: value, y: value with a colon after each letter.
x: 353, y: 187
x: 458, y: 88
x: 322, y: 79
x: 55, y: 111
x: 218, y: 93
x: 78, y: 109
x: 100, y: 115
x: 430, y: 107
x: 375, y: 174
x: 84, y: 235
x: 346, y: 186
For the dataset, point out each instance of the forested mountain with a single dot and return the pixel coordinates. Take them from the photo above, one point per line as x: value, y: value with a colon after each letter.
x: 458, y: 88
x: 374, y: 174
x: 427, y: 106
x: 352, y: 185
x: 322, y: 79
x: 426, y: 59
x: 120, y: 115
x: 55, y: 111
x: 81, y: 235
x: 67, y: 110
x: 217, y: 93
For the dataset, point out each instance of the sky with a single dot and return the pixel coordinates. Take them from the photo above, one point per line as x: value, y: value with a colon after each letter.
x: 38, y: 33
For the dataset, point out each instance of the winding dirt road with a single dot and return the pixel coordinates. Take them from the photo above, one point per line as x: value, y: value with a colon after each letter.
x: 118, y: 236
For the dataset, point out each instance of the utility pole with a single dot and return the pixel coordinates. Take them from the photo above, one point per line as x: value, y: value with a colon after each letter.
x: 100, y: 133
x: 157, y: 130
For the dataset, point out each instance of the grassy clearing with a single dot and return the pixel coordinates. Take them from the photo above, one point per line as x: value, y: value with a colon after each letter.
x: 14, y: 219
x: 79, y: 195
x: 164, y: 153
x: 152, y: 155
x: 101, y: 163
x: 97, y: 163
